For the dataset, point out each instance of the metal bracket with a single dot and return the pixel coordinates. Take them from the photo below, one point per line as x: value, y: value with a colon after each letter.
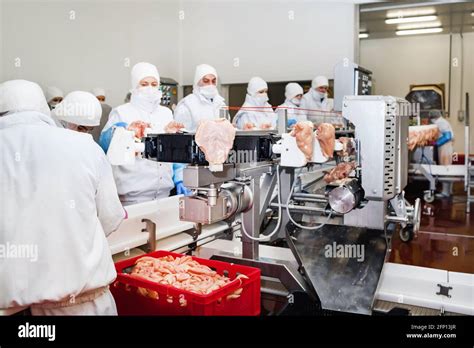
x: 195, y: 232
x: 151, y: 229
x: 444, y: 290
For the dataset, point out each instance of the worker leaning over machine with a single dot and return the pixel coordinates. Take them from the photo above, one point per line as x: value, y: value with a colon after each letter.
x: 145, y: 180
x: 62, y: 203
x: 445, y: 146
x: 256, y: 112
x: 205, y: 101
x: 293, y: 96
x: 79, y: 111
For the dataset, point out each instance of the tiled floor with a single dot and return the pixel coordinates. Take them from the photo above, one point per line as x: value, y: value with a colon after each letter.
x: 446, y: 237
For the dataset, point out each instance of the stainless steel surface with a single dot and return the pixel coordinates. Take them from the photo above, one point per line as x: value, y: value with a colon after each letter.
x: 267, y: 187
x: 383, y: 172
x: 199, y: 176
x: 233, y: 198
x: 371, y: 215
x: 280, y: 270
x: 344, y: 281
x: 197, y: 209
x: 310, y: 196
x: 239, y: 197
x: 251, y: 221
x: 346, y: 197
x: 349, y: 80
x: 299, y: 208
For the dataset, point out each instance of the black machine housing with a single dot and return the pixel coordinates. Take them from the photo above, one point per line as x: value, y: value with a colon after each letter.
x: 182, y: 147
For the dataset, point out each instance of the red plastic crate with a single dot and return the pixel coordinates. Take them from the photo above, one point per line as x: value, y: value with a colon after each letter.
x: 131, y: 302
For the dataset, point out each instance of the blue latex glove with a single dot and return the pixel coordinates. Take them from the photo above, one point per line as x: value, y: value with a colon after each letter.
x: 178, y: 172
x: 182, y: 190
x: 291, y: 122
x: 444, y: 138
x: 106, y: 136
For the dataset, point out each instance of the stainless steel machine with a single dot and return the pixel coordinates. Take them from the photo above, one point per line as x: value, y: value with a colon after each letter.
x: 357, y: 214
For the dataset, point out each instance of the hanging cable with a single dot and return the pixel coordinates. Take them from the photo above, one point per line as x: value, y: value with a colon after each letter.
x: 312, y: 228
x: 277, y: 227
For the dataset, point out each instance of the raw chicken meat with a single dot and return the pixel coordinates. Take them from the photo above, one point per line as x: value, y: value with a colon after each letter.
x: 347, y: 147
x: 249, y: 126
x: 139, y: 128
x: 303, y: 132
x: 326, y: 135
x: 341, y: 171
x: 173, y: 127
x: 215, y: 138
x: 422, y: 135
x: 182, y: 273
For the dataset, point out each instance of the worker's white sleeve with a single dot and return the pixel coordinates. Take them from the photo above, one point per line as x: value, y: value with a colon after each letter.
x: 183, y: 114
x: 114, y: 117
x: 241, y: 119
x: 109, y: 209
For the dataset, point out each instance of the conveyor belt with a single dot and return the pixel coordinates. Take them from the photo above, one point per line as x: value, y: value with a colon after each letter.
x: 345, y: 284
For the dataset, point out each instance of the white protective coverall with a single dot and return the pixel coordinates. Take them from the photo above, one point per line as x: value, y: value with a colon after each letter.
x: 200, y: 105
x: 145, y: 180
x: 291, y: 104
x: 262, y: 114
x: 315, y: 100
x: 59, y: 202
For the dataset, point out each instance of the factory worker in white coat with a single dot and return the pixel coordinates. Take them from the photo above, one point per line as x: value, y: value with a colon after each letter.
x: 145, y: 180
x: 256, y: 112
x: 79, y: 111
x: 204, y: 103
x: 293, y: 95
x: 317, y: 98
x: 62, y: 203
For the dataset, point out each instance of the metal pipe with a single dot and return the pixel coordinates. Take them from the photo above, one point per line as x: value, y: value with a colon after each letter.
x: 299, y: 208
x: 310, y: 200
x: 390, y: 218
x: 309, y: 195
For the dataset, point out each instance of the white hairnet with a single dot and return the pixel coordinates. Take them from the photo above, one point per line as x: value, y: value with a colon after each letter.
x: 53, y: 92
x: 256, y: 84
x: 292, y: 90
x: 80, y: 108
x: 319, y: 81
x: 142, y: 70
x: 98, y: 91
x: 203, y: 70
x: 22, y: 95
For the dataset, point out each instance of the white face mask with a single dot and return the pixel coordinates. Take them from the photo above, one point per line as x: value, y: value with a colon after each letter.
x: 318, y: 95
x: 296, y: 101
x: 150, y: 94
x: 209, y: 91
x: 262, y: 97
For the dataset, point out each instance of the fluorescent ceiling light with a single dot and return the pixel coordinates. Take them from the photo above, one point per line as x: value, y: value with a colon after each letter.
x: 419, y: 31
x: 407, y: 12
x: 363, y: 35
x: 472, y: 14
x: 419, y: 25
x: 410, y: 19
